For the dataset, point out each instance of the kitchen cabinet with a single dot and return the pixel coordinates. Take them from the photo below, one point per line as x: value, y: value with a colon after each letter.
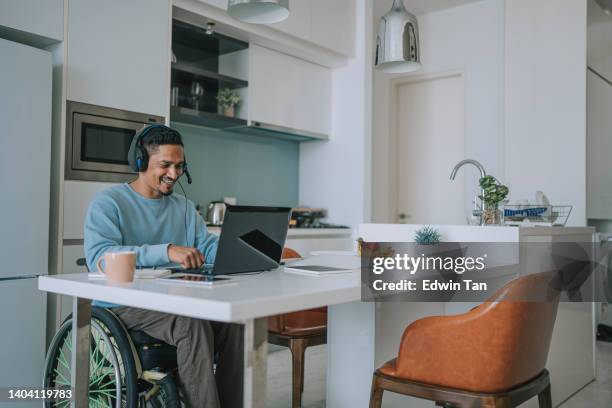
x: 307, y: 240
x: 327, y: 24
x: 289, y: 92
x: 599, y: 145
x: 333, y: 25
x: 41, y: 18
x: 77, y: 197
x: 119, y: 54
x: 298, y: 24
x: 25, y: 114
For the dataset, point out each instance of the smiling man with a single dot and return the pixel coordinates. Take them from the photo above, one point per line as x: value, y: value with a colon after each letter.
x: 164, y: 228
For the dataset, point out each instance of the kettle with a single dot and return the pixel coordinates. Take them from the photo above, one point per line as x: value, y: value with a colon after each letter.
x: 215, y: 212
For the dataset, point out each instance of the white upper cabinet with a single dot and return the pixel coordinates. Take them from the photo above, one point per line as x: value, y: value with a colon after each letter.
x: 298, y: 23
x: 328, y: 24
x: 289, y: 92
x: 333, y: 24
x: 119, y: 54
x: 42, y: 18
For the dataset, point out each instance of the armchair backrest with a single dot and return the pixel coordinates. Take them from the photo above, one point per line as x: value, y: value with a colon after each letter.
x: 496, y: 346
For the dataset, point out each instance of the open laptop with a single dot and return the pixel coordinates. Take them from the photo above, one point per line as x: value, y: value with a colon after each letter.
x: 252, y: 239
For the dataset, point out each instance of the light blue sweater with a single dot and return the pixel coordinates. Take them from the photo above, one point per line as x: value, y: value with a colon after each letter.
x: 120, y: 219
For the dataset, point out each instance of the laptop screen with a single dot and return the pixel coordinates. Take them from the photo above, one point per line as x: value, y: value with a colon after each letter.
x: 252, y: 239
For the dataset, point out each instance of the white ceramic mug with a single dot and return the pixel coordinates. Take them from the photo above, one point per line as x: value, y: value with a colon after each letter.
x: 118, y: 266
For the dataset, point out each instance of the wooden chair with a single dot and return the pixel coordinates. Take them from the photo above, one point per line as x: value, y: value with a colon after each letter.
x: 491, y: 356
x: 298, y: 331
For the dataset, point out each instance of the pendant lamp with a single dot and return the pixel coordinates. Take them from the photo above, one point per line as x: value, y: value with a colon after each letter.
x: 258, y: 11
x: 397, y: 44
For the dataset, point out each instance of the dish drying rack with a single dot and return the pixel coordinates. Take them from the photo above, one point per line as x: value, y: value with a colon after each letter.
x: 529, y: 215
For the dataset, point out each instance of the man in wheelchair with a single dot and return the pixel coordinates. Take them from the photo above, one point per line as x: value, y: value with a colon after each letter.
x: 164, y: 229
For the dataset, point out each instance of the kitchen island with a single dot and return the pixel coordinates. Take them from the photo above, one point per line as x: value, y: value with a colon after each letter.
x: 365, y: 335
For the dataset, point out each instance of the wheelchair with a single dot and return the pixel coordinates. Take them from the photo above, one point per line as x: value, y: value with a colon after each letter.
x: 127, y: 369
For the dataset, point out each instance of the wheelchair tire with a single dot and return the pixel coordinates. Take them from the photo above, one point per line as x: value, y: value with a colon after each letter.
x: 113, y: 380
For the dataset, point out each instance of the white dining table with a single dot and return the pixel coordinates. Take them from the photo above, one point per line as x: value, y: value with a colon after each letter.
x: 246, y: 299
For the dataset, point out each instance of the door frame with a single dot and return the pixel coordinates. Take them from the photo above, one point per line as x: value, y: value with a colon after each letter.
x: 393, y: 159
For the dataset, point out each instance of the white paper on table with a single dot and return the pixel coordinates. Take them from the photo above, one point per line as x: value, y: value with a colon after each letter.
x: 146, y: 273
x: 344, y: 261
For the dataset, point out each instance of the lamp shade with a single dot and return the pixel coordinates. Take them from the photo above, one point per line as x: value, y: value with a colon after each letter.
x: 259, y: 11
x: 397, y: 44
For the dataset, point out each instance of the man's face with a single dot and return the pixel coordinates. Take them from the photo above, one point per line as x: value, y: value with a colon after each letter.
x: 166, y: 165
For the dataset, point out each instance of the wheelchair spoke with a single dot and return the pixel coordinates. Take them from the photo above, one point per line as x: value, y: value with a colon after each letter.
x: 60, y: 376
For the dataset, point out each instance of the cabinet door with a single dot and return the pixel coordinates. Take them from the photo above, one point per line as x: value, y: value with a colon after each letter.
x: 43, y: 18
x: 290, y: 92
x: 298, y: 23
x: 77, y: 197
x: 25, y: 159
x: 333, y: 25
x: 23, y: 335
x: 119, y: 54
x: 599, y: 145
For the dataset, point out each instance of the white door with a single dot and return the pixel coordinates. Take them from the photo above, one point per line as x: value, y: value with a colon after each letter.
x: 430, y: 140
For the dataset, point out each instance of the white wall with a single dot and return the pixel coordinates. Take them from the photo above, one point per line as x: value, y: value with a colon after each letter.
x: 467, y: 39
x: 336, y: 174
x: 524, y: 63
x: 546, y: 101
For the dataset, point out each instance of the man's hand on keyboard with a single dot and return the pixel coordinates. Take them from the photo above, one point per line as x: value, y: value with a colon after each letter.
x: 189, y: 258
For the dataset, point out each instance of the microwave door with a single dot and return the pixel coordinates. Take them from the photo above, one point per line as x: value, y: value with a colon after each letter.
x: 101, y: 144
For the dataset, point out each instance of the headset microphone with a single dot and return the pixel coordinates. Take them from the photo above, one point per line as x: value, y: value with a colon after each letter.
x: 186, y: 171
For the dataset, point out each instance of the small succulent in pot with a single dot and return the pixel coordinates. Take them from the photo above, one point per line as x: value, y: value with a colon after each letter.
x: 228, y: 99
x: 494, y: 193
x: 427, y: 236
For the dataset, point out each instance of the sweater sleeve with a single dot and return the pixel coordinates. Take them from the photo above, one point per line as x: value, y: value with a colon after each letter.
x: 205, y: 242
x: 103, y: 234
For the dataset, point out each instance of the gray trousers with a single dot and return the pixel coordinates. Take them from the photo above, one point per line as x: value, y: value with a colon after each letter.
x: 197, y: 342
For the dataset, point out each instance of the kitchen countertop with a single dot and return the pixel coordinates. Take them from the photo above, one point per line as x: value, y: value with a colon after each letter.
x: 305, y: 232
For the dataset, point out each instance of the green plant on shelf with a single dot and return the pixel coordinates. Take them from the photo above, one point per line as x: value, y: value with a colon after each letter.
x: 427, y: 236
x: 227, y: 98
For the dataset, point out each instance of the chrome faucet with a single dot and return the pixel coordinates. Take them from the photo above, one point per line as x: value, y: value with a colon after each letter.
x: 478, y: 211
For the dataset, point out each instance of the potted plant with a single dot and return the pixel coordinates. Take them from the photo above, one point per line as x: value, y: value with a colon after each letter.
x: 228, y: 99
x: 494, y: 193
x: 427, y: 236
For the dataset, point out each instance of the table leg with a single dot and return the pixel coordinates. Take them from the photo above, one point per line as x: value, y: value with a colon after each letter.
x: 255, y: 362
x: 81, y: 338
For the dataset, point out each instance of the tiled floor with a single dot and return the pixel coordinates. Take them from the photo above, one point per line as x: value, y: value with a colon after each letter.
x: 279, y: 378
x: 597, y: 394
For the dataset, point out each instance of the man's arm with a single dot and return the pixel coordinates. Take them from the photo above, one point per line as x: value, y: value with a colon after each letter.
x: 102, y: 234
x: 205, y: 242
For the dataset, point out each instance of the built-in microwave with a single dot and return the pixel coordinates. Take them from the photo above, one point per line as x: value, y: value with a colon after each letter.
x: 98, y: 140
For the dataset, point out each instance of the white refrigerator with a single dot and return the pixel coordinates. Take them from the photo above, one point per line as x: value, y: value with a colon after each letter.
x: 25, y: 165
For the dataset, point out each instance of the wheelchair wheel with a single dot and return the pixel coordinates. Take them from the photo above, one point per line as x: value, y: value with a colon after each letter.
x: 113, y: 380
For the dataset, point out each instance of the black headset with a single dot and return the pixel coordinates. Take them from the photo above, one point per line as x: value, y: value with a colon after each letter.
x: 138, y: 157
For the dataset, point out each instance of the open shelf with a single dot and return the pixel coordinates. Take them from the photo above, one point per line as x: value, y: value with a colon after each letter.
x: 199, y: 73
x: 206, y: 119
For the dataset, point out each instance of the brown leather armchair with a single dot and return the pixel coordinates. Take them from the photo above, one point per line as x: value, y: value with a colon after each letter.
x: 298, y: 331
x: 493, y: 355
